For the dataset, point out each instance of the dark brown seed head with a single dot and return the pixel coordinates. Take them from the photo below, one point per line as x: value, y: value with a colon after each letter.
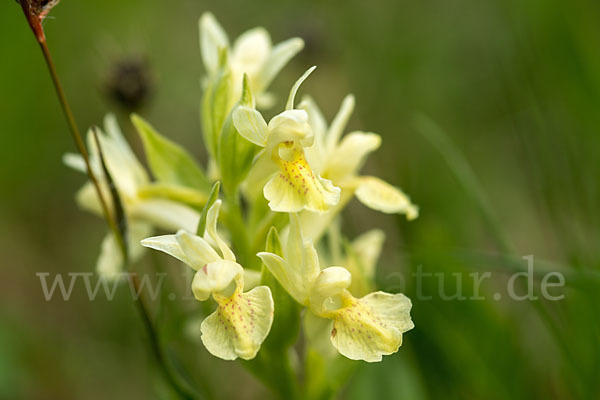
x: 130, y: 82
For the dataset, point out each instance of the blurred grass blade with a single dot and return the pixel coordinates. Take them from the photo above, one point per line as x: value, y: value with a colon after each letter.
x: 184, y: 378
x: 588, y: 279
x: 464, y: 174
x: 467, y: 178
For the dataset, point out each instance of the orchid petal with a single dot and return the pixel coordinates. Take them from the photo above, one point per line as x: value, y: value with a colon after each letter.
x: 251, y: 125
x: 370, y: 327
x: 212, y: 39
x: 239, y: 325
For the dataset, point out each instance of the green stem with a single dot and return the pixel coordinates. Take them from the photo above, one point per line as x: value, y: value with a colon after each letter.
x: 276, y: 372
x: 260, y: 233
x: 171, y: 377
x: 237, y: 227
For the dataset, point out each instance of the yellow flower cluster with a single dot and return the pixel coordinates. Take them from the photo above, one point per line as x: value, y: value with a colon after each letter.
x: 295, y: 175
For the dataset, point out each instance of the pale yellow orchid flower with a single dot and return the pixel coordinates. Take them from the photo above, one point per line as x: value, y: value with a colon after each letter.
x: 143, y: 212
x: 364, y: 328
x: 252, y: 54
x: 295, y: 186
x: 242, y: 320
x: 339, y: 159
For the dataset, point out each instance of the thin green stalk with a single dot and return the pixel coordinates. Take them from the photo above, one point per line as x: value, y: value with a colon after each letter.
x: 172, y: 377
x: 237, y: 227
x: 276, y: 372
x: 260, y: 233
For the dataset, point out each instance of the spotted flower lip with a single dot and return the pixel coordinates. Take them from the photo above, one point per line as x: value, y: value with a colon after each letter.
x: 242, y: 320
x: 295, y: 187
x: 364, y: 328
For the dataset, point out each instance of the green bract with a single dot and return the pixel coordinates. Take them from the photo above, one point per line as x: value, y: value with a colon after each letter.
x: 169, y: 162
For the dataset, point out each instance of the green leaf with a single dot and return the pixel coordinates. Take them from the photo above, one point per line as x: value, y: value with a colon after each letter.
x: 185, y: 380
x: 326, y: 376
x: 247, y: 96
x: 286, y: 321
x: 235, y: 154
x: 273, y: 242
x: 262, y: 220
x: 216, y: 104
x: 212, y: 197
x: 192, y: 197
x: 276, y: 372
x: 169, y: 162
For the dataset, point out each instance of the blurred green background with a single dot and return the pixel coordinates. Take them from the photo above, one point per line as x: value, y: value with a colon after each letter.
x: 515, y: 85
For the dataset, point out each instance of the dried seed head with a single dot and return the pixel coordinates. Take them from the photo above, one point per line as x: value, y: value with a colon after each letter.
x: 41, y: 8
x: 130, y: 82
x: 36, y: 11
